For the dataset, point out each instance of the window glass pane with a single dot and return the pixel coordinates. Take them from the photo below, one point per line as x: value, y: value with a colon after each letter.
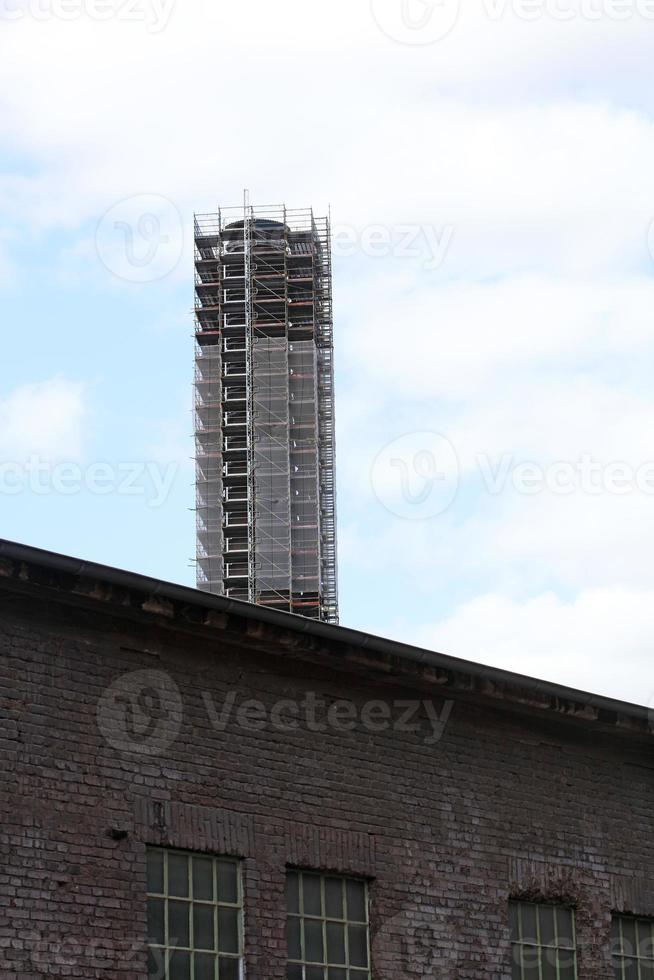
x: 549, y: 966
x: 178, y: 924
x: 516, y: 970
x: 528, y: 927
x: 313, y: 952
x: 565, y: 927
x: 335, y: 942
x: 178, y: 875
x: 227, y: 882
x: 179, y: 966
x: 644, y: 937
x: 156, y: 964
x: 356, y: 901
x: 630, y: 968
x: 155, y: 874
x: 514, y: 923
x: 292, y: 892
x: 228, y: 930
x: 203, y: 879
x: 156, y: 921
x: 615, y: 934
x: 358, y: 944
x: 228, y: 968
x: 546, y: 926
x: 567, y: 970
x: 203, y: 927
x: 294, y: 971
x: 628, y: 936
x: 293, y: 938
x: 204, y: 966
x: 311, y: 894
x: 334, y: 898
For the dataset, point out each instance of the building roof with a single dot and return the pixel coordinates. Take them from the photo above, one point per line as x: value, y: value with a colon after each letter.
x: 25, y: 569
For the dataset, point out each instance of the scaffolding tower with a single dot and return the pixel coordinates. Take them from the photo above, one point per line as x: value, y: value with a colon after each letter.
x: 264, y: 409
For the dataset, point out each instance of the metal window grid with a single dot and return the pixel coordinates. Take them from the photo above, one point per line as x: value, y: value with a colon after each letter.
x: 633, y: 947
x: 306, y: 968
x: 173, y: 960
x: 543, y: 941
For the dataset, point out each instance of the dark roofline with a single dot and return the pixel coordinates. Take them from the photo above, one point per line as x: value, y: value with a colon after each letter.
x: 155, y: 588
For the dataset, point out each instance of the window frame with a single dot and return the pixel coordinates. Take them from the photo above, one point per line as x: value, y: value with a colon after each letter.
x: 216, y: 903
x: 620, y: 958
x: 518, y: 966
x: 361, y: 972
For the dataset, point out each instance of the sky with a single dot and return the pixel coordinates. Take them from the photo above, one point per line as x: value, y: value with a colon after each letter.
x: 489, y: 174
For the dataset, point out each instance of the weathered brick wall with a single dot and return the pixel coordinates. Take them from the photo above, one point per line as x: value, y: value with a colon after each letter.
x: 504, y: 804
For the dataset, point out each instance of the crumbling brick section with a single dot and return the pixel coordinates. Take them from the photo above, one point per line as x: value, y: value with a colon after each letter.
x: 508, y: 800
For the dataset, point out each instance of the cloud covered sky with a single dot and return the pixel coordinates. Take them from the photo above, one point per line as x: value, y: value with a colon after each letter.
x: 489, y: 171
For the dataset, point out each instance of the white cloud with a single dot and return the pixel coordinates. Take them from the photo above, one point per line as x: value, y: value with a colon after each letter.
x: 46, y: 419
x: 600, y: 641
x: 451, y: 339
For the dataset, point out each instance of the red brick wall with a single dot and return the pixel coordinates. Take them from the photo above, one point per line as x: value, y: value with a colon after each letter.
x: 505, y: 804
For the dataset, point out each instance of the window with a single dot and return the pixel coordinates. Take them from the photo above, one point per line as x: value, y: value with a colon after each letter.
x: 327, y: 927
x: 633, y: 948
x: 543, y: 945
x: 195, y: 916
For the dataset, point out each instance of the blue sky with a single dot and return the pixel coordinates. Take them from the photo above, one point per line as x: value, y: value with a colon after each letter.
x: 489, y: 175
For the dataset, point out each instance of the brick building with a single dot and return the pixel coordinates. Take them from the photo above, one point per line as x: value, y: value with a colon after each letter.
x: 228, y: 790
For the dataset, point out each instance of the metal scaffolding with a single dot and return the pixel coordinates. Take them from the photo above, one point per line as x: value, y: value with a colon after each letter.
x: 264, y: 409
